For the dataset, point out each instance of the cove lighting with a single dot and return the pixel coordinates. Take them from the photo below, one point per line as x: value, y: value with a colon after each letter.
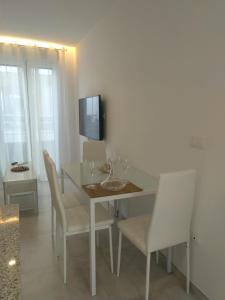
x: 31, y: 43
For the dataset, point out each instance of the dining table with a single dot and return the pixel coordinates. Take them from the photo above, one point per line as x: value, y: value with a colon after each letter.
x: 141, y: 184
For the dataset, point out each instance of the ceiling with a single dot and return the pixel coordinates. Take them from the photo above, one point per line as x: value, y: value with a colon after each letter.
x: 65, y: 21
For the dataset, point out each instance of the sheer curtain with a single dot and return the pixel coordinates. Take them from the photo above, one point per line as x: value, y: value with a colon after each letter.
x: 33, y: 106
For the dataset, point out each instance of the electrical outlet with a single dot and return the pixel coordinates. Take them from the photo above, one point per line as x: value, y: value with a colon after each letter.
x: 195, y: 238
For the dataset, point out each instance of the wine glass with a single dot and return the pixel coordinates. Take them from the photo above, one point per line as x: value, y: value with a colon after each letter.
x: 125, y: 166
x: 91, y: 165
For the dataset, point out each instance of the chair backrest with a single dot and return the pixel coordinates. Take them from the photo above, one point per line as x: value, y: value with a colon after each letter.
x: 94, y: 150
x: 45, y: 156
x: 171, y: 218
x: 55, y: 192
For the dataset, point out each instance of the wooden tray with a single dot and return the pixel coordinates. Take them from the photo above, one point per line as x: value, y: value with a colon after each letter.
x: 98, y: 191
x: 20, y: 169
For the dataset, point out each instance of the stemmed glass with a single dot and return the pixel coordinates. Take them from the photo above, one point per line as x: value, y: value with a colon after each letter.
x: 92, y: 167
x: 125, y: 165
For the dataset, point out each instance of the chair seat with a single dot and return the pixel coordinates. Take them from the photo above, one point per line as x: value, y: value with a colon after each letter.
x: 135, y: 229
x: 70, y: 199
x: 78, y: 218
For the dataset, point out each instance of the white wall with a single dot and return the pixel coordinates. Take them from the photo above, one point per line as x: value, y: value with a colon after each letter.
x: 160, y: 66
x: 72, y: 95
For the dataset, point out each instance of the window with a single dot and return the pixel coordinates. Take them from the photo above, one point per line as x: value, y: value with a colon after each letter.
x: 28, y: 114
x: 36, y: 107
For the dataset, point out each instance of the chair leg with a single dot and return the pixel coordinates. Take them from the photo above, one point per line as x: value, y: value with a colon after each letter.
x: 157, y: 257
x: 57, y: 238
x: 188, y: 268
x: 111, y: 248
x: 119, y: 253
x: 64, y: 258
x: 147, y: 275
x: 169, y: 259
x: 52, y: 219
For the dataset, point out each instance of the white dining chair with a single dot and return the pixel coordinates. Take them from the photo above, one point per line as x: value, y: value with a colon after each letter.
x: 68, y: 199
x: 169, y: 224
x: 94, y: 150
x: 75, y: 220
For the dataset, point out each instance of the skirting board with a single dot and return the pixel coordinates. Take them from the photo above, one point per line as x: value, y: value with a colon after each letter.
x: 181, y: 277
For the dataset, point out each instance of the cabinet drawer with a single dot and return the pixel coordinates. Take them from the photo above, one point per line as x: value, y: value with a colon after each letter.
x: 20, y: 187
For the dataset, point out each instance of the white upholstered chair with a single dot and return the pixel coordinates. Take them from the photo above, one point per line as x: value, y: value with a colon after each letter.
x: 75, y: 220
x: 169, y: 224
x: 68, y: 199
x: 94, y: 150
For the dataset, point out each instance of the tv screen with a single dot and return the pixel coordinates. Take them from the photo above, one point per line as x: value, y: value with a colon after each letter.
x: 91, y: 117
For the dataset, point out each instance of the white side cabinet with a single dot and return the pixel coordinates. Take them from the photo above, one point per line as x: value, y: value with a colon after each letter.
x: 21, y: 183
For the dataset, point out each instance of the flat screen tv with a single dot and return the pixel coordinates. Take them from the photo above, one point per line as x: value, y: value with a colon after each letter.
x: 91, y: 117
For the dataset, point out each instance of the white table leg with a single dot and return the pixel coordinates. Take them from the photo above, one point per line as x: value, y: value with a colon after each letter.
x: 92, y: 249
x: 169, y: 259
x: 8, y: 199
x: 5, y: 195
x: 35, y: 196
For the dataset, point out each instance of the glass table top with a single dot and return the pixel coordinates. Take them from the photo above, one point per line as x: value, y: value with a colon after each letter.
x: 80, y: 175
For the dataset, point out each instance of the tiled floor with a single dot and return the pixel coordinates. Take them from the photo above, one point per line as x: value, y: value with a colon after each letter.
x: 42, y: 276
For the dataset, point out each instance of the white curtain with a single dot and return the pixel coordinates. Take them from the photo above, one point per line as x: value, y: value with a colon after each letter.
x: 34, y: 106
